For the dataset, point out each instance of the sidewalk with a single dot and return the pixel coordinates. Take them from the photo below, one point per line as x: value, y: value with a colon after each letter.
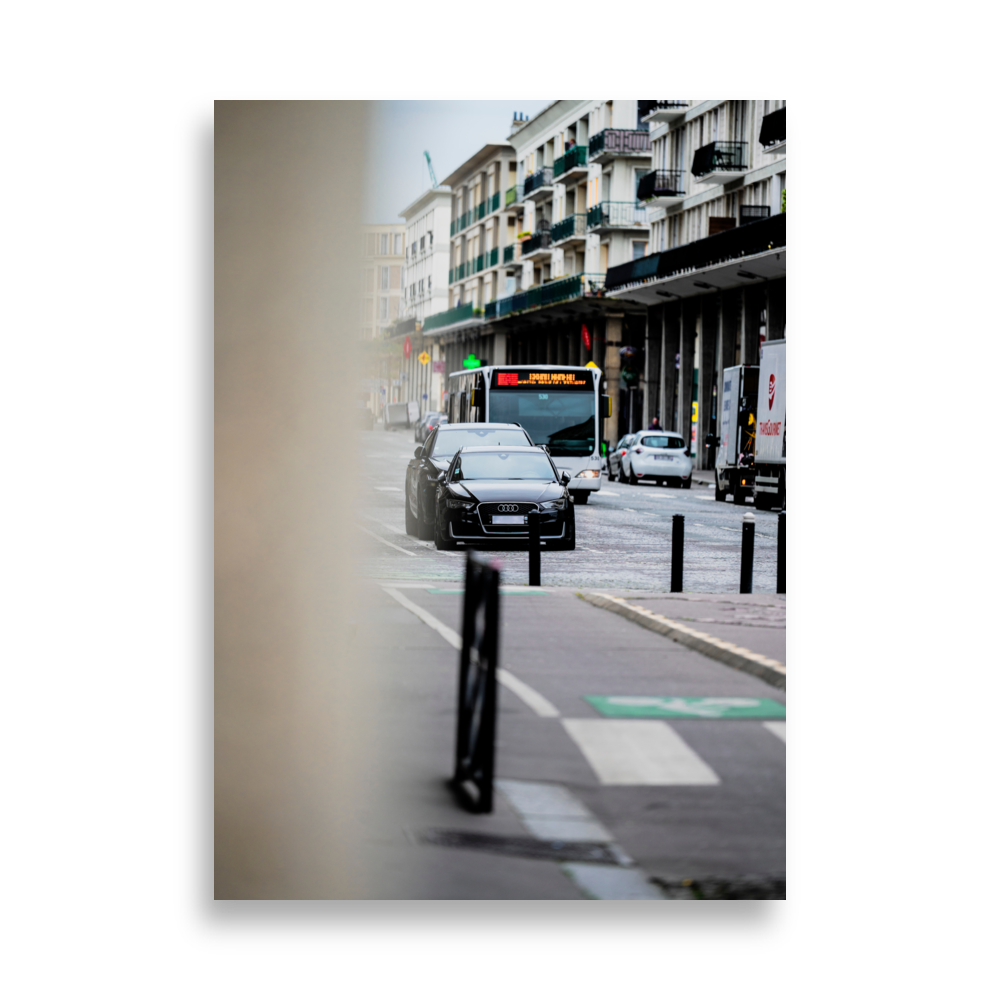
x: 587, y: 805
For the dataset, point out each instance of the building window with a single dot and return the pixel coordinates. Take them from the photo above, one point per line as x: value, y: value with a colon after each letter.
x: 384, y: 244
x: 428, y: 285
x: 422, y: 238
x: 397, y: 244
x: 421, y: 286
x: 430, y: 240
x: 638, y: 249
x: 383, y: 307
x: 384, y: 284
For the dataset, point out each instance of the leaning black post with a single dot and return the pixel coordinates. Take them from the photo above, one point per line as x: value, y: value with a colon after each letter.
x: 477, y: 686
x: 677, y: 555
x: 534, y: 549
x: 746, y: 562
x: 781, y: 553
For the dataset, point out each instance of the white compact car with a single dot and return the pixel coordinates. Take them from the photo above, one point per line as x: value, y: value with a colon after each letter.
x: 657, y: 455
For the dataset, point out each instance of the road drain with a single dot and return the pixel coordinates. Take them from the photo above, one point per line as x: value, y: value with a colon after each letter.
x: 521, y: 847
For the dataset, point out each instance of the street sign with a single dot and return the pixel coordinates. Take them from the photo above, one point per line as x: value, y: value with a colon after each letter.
x: 664, y: 707
x: 590, y: 364
x: 407, y: 348
x: 439, y: 367
x: 423, y: 357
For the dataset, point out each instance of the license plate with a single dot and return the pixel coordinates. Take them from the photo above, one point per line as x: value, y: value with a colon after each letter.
x: 664, y: 458
x: 509, y: 519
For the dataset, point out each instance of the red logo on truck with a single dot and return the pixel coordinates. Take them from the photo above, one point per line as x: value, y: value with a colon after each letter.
x: 770, y: 392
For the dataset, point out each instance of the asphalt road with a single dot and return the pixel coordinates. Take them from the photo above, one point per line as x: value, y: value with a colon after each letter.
x: 623, y: 534
x: 685, y: 796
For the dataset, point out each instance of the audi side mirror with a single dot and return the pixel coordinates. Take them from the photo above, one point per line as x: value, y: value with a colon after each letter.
x: 417, y: 451
x: 564, y: 479
x: 442, y: 476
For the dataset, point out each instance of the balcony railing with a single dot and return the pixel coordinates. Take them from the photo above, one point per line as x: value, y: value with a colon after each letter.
x: 661, y: 184
x: 548, y: 294
x: 514, y: 195
x: 479, y: 212
x: 743, y: 241
x: 493, y: 202
x: 627, y: 142
x: 462, y: 222
x: 539, y: 179
x: 575, y: 156
x: 615, y: 214
x: 648, y: 107
x: 537, y: 241
x: 719, y: 156
x: 493, y: 257
x: 449, y: 316
x: 751, y: 213
x: 511, y: 252
x: 572, y: 225
x: 772, y: 129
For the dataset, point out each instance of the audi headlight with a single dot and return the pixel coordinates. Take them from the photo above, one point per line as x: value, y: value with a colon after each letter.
x: 588, y: 474
x: 459, y: 504
x: 559, y: 504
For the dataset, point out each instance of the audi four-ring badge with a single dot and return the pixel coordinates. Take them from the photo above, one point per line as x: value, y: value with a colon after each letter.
x: 487, y: 493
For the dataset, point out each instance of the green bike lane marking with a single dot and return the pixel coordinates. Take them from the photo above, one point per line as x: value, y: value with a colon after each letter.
x: 664, y: 707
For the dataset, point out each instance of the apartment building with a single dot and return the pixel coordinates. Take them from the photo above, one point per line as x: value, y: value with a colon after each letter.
x: 382, y: 278
x: 426, y: 244
x: 713, y: 281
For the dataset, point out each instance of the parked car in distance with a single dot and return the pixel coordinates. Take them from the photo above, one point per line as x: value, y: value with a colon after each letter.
x: 435, y: 455
x: 427, y: 423
x: 657, y: 455
x: 615, y: 457
x: 487, y: 494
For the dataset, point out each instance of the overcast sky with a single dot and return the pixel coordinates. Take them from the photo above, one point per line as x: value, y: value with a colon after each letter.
x: 451, y: 131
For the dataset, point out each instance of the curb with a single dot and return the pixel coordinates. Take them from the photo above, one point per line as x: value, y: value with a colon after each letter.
x: 729, y: 653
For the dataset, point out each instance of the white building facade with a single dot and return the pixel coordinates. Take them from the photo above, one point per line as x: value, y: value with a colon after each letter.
x: 425, y: 284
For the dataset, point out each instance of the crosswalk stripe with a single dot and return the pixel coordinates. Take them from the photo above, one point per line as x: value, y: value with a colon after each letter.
x: 638, y: 752
x: 778, y: 728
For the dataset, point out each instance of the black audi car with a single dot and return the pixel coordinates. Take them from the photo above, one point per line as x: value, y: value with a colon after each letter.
x: 487, y: 494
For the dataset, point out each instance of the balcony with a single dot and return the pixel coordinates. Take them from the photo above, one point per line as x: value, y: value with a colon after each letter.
x: 661, y: 187
x: 537, y: 242
x: 514, y: 196
x: 573, y: 227
x: 450, y: 316
x: 462, y: 222
x: 560, y: 290
x: 492, y: 257
x: 720, y: 162
x: 748, y: 240
x: 772, y: 132
x: 661, y: 112
x: 573, y: 163
x: 538, y: 184
x: 752, y: 213
x: 512, y: 253
x: 616, y: 215
x: 617, y: 142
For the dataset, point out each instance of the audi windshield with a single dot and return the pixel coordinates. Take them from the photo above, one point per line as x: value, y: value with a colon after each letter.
x: 504, y: 465
x: 450, y: 440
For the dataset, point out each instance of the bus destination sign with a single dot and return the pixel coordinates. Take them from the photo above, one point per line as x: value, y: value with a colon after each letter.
x: 541, y: 380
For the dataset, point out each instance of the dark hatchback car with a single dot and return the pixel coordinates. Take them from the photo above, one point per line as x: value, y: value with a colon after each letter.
x: 434, y: 457
x: 487, y: 494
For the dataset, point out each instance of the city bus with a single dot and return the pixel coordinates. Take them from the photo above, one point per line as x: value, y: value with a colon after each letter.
x: 561, y: 408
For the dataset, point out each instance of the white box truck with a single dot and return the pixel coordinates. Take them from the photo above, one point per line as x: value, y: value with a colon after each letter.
x: 769, y: 450
x: 734, y: 469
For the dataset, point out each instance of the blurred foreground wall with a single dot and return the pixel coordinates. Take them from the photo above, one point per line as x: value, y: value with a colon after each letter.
x: 291, y: 736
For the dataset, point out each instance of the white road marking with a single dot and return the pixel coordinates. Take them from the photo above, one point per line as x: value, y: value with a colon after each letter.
x: 385, y: 541
x: 389, y: 489
x: 610, y: 882
x: 778, y: 728
x: 552, y: 812
x: 631, y: 510
x: 595, y: 551
x: 536, y: 702
x: 638, y: 752
x: 608, y: 493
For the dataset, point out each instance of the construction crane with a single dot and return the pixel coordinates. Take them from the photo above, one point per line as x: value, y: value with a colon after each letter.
x: 430, y: 167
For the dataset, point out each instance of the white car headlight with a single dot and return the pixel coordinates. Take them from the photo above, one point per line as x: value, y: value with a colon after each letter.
x: 559, y: 504
x: 459, y: 504
x: 588, y: 474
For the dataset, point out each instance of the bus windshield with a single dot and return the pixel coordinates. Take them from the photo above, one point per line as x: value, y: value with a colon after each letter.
x: 565, y: 421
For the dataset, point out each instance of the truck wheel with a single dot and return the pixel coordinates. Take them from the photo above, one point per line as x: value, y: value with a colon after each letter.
x: 580, y: 496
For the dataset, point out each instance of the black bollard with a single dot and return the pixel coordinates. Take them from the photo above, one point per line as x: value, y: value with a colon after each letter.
x: 746, y: 561
x: 534, y: 549
x: 781, y: 553
x: 677, y: 555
